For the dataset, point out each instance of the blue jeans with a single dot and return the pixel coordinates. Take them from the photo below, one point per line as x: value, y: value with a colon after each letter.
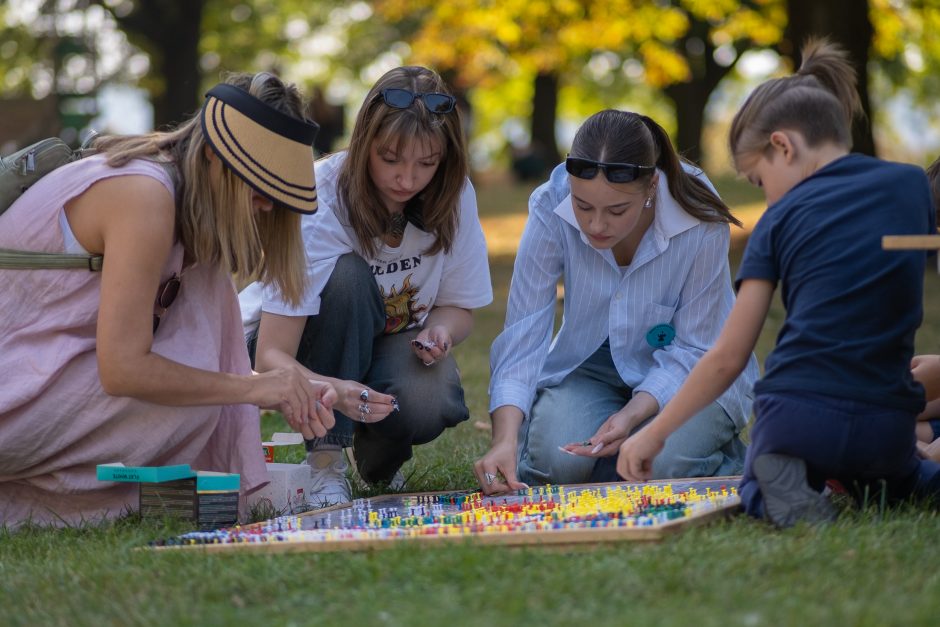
x: 346, y: 340
x: 861, y: 445
x: 572, y: 411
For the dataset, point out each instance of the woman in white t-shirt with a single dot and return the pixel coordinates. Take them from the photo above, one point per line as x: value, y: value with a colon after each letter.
x: 396, y: 261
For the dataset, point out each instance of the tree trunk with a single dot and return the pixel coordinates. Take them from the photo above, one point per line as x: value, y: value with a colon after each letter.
x: 170, y: 33
x: 691, y: 97
x: 847, y: 23
x: 544, y: 112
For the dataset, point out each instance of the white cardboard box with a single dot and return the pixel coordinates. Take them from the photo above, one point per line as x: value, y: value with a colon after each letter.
x: 287, y: 491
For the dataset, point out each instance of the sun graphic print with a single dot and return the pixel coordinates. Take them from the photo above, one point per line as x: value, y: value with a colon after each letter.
x: 401, y: 307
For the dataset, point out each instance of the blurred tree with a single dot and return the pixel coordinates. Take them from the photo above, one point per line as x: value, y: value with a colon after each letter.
x: 685, y: 46
x: 848, y: 23
x: 176, y: 48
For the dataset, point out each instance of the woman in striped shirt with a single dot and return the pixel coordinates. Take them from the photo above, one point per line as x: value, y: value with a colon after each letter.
x: 640, y: 240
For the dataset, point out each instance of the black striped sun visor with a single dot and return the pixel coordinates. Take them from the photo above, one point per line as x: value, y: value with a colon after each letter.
x: 269, y: 150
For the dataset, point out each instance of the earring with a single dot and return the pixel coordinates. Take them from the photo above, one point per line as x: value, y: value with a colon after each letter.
x: 648, y: 203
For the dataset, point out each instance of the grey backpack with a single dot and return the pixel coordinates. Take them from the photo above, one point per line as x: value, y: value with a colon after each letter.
x: 18, y: 172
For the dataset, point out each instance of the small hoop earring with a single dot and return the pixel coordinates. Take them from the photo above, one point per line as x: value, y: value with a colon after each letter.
x: 648, y: 203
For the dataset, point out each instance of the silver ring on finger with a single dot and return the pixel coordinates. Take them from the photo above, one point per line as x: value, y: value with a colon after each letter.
x: 364, y: 408
x: 362, y: 417
x: 490, y: 478
x: 364, y: 396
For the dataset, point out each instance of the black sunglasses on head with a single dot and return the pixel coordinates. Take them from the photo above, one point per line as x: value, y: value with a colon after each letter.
x: 168, y: 293
x: 615, y: 172
x: 434, y: 102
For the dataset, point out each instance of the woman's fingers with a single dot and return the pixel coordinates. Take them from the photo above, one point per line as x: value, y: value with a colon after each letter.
x: 368, y: 406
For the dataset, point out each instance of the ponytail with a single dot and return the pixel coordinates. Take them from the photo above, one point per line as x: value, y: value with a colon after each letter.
x: 688, y: 190
x: 820, y: 102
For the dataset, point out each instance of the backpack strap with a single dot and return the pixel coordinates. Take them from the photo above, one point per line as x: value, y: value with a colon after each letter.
x: 23, y: 260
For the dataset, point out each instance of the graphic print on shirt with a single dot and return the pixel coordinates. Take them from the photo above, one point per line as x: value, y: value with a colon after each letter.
x: 401, y: 308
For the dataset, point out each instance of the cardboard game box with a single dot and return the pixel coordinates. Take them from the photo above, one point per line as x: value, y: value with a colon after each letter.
x: 208, y: 499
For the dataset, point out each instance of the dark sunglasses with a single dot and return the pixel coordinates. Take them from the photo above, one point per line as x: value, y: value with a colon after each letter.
x: 615, y: 172
x: 165, y: 298
x: 403, y: 98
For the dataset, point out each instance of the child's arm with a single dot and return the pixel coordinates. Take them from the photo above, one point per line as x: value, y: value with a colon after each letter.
x: 931, y: 411
x: 711, y: 376
x: 926, y: 370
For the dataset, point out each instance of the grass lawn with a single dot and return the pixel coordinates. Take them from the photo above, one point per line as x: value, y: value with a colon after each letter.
x: 870, y: 568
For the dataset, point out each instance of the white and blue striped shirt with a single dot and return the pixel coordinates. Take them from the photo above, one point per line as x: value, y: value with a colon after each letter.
x: 679, y: 277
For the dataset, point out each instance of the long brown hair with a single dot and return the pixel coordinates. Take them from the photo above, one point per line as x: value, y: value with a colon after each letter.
x: 390, y: 127
x: 625, y: 137
x: 820, y: 102
x: 216, y: 224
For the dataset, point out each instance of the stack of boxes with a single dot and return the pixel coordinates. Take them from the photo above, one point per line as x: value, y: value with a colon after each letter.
x: 207, y: 499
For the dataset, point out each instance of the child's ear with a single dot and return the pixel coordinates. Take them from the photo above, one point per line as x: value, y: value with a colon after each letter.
x: 783, y: 145
x: 208, y: 153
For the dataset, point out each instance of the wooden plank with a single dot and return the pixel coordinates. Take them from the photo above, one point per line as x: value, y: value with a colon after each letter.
x: 910, y: 242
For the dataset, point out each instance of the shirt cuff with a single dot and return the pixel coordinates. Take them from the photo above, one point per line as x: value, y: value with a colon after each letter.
x: 513, y: 393
x: 661, y: 385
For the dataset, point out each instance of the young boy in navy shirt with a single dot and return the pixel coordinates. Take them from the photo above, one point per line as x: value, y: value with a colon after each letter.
x: 838, y: 399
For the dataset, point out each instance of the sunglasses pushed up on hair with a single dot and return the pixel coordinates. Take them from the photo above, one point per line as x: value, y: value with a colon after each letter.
x: 615, y: 172
x: 433, y: 102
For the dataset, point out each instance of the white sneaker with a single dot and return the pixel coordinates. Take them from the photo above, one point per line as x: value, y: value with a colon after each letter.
x: 328, y: 484
x: 397, y: 484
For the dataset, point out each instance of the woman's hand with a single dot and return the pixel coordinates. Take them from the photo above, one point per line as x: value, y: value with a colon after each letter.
x: 432, y: 344
x: 606, y: 440
x: 496, y: 471
x: 361, y: 403
x: 307, y: 405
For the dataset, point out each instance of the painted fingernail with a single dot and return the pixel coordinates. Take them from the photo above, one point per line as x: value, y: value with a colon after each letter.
x: 597, y: 449
x: 564, y: 450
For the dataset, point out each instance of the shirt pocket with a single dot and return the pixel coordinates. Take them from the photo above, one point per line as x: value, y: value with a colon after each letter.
x: 656, y: 329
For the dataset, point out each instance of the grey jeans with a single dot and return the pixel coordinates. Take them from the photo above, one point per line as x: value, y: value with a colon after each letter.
x: 346, y: 340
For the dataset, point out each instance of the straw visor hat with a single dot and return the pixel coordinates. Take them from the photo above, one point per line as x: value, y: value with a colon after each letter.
x: 269, y: 150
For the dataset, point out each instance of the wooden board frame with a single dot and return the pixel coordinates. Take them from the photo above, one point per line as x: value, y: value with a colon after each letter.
x: 553, y: 537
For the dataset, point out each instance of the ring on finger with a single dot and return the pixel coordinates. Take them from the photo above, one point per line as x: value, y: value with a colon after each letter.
x: 362, y: 417
x: 490, y: 478
x: 364, y: 408
x: 364, y: 396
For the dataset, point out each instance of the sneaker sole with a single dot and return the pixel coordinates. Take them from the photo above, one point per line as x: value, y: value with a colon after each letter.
x: 788, y: 499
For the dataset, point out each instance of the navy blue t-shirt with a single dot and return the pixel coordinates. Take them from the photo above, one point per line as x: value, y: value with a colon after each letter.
x: 852, y: 308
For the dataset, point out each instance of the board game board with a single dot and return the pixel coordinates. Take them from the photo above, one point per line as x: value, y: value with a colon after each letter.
x: 556, y: 515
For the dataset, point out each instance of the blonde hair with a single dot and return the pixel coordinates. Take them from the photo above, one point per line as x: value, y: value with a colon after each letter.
x: 820, y: 102
x: 390, y: 128
x: 216, y: 224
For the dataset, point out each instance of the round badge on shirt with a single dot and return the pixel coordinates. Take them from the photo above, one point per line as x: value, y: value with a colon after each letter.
x: 660, y: 335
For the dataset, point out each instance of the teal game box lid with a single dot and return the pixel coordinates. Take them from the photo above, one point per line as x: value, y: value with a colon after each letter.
x: 208, y: 481
x: 146, y: 474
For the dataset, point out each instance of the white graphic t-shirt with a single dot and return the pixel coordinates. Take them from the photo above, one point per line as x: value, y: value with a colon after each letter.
x: 410, y: 281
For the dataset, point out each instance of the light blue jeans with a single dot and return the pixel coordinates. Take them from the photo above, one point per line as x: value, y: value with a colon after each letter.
x: 572, y: 411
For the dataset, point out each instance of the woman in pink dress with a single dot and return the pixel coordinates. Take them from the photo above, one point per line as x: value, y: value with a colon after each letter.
x: 144, y: 362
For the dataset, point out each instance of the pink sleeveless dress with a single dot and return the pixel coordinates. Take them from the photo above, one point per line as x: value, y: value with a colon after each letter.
x: 56, y: 421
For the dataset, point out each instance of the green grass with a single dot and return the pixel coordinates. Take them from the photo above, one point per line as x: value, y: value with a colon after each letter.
x: 870, y: 568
